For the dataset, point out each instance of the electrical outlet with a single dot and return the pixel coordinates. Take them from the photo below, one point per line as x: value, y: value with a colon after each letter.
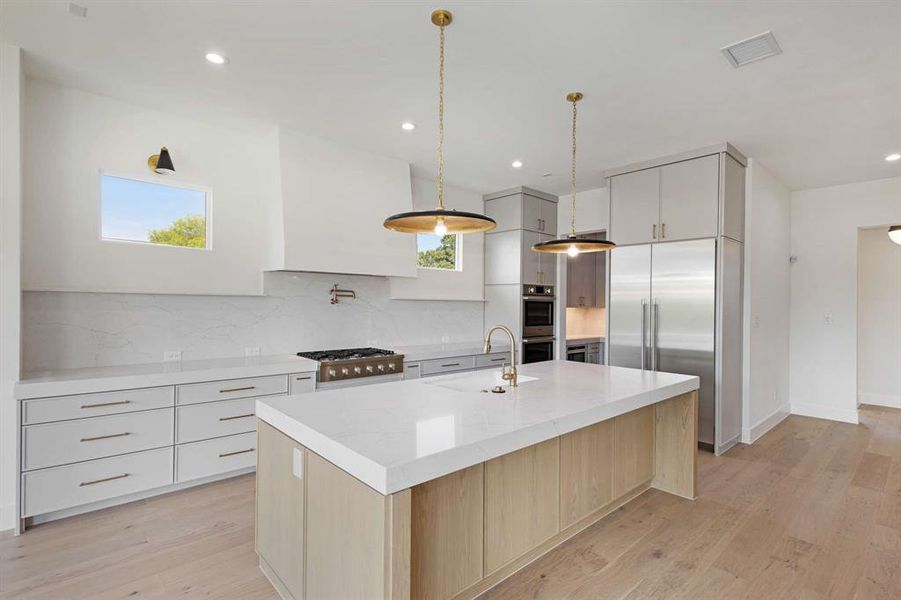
x: 756, y: 321
x: 172, y: 356
x: 252, y: 351
x: 827, y: 318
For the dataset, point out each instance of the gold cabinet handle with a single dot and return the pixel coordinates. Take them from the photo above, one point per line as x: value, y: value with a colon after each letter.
x: 99, y: 404
x: 498, y: 359
x: 235, y: 417
x: 654, y: 231
x: 451, y: 365
x: 225, y: 454
x: 662, y: 231
x: 104, y: 437
x: 303, y: 378
x: 104, y: 480
x: 238, y: 389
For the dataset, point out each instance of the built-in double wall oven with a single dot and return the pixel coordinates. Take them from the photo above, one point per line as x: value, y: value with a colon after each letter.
x: 538, y: 307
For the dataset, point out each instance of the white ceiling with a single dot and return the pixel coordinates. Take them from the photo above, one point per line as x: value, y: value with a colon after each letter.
x: 826, y: 111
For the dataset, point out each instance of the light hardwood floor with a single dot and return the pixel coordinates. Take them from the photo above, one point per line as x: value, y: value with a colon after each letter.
x: 812, y: 510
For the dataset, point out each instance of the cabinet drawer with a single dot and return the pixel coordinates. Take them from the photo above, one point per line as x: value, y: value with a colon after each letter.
x: 214, y: 419
x: 221, y: 455
x: 64, y: 487
x: 62, y: 408
x: 301, y: 383
x: 446, y: 365
x: 593, y: 347
x: 66, y: 442
x: 495, y: 359
x: 229, y: 389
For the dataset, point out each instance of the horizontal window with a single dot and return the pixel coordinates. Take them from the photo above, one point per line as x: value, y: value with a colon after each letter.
x: 153, y: 213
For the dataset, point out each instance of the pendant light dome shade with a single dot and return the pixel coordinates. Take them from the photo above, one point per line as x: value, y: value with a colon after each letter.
x: 572, y: 245
x: 894, y: 233
x: 440, y: 221
x: 430, y: 221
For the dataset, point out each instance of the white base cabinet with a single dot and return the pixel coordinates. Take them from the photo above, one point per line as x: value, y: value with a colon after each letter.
x: 84, y: 451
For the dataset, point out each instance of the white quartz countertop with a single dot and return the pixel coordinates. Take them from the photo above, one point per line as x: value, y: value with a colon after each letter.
x: 39, y: 384
x: 395, y: 435
x: 451, y: 349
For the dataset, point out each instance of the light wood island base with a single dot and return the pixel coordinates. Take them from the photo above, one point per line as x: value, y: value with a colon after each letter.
x: 321, y: 533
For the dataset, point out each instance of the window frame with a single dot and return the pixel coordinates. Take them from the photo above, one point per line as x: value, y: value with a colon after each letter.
x: 458, y: 256
x: 176, y: 183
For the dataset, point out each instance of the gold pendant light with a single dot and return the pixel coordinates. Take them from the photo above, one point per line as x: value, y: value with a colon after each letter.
x: 440, y: 221
x: 894, y: 233
x: 572, y: 245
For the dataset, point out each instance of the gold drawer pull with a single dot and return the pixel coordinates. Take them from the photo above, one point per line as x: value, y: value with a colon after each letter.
x: 99, y: 404
x: 499, y: 359
x: 303, y: 378
x: 104, y: 480
x: 235, y: 417
x: 104, y: 437
x: 451, y: 365
x: 224, y: 454
x: 240, y: 389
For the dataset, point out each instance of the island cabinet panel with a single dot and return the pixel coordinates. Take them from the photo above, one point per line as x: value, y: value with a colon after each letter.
x: 586, y: 471
x: 280, y: 509
x: 447, y: 534
x: 633, y: 450
x: 675, y: 451
x: 521, y: 502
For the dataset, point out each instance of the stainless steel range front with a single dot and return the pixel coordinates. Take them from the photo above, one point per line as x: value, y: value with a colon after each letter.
x: 352, y: 366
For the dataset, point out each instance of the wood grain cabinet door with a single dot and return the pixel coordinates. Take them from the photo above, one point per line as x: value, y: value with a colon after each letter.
x: 280, y: 498
x: 586, y: 471
x: 521, y: 502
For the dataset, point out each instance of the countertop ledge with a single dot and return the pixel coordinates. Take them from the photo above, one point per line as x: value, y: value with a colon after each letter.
x: 392, y: 436
x: 450, y: 349
x: 63, y: 382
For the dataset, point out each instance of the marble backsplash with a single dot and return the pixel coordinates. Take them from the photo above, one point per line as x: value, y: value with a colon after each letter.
x: 74, y: 329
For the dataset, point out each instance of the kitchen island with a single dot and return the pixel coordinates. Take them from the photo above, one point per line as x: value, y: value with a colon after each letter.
x: 440, y: 488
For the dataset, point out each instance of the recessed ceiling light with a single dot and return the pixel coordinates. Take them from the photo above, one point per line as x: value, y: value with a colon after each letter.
x: 216, y: 59
x: 893, y: 157
x: 407, y: 126
x: 517, y: 164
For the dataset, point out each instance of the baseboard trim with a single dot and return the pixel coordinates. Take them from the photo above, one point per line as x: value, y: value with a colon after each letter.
x: 749, y: 435
x: 832, y: 413
x: 889, y: 400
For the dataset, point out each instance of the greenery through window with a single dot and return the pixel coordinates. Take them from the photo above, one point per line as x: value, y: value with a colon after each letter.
x: 152, y: 213
x: 438, y: 251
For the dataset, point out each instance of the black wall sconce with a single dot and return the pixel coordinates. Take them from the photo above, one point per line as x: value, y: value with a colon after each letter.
x: 161, y: 163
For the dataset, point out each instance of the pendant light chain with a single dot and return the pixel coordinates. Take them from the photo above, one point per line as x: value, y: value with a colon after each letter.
x: 572, y: 216
x: 440, y: 182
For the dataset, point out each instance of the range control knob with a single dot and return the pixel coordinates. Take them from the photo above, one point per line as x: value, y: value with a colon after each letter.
x: 332, y: 372
x: 345, y: 371
x: 382, y: 368
x: 369, y: 369
x: 531, y: 290
x: 392, y: 366
x: 358, y: 370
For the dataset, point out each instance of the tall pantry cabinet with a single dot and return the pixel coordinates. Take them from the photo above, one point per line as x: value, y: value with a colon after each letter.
x: 675, y: 282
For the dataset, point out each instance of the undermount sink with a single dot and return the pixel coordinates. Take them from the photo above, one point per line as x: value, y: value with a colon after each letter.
x: 475, y: 381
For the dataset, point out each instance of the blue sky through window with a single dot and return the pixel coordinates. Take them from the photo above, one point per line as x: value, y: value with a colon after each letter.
x: 130, y: 209
x: 427, y: 241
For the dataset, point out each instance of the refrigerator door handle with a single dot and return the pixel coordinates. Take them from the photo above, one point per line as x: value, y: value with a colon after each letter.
x: 644, y: 329
x: 655, y: 325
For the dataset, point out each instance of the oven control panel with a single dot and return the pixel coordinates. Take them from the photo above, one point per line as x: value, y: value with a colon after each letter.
x: 538, y: 290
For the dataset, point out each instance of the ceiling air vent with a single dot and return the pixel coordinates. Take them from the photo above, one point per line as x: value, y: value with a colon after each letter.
x: 752, y: 49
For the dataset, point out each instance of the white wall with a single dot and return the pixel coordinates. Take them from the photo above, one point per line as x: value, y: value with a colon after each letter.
x: 825, y: 223
x: 436, y: 284
x: 767, y: 302
x: 879, y: 319
x: 592, y: 211
x: 335, y: 199
x: 71, y: 330
x: 71, y: 135
x: 11, y: 87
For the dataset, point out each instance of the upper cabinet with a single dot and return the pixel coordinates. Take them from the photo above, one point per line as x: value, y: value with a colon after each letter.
x: 681, y: 199
x: 523, y: 208
x: 334, y: 200
x: 635, y: 207
x: 586, y: 280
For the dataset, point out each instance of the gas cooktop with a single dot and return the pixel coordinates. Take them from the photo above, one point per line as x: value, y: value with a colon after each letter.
x: 351, y: 363
x: 345, y: 354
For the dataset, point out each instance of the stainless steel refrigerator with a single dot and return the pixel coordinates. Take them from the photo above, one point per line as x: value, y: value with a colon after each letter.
x: 676, y: 307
